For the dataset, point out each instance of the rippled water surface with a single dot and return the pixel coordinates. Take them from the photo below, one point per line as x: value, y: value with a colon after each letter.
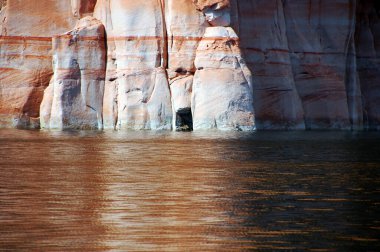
x: 147, y: 191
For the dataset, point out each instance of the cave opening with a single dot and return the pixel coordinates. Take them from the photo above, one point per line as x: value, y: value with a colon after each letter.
x: 184, y: 120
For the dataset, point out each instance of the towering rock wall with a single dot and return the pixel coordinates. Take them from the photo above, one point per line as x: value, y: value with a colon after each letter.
x: 183, y: 64
x: 264, y: 40
x: 74, y: 98
x: 25, y: 58
x: 137, y: 94
x: 367, y: 40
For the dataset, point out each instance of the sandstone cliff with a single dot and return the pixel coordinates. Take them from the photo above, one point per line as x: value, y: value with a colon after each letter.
x: 190, y: 64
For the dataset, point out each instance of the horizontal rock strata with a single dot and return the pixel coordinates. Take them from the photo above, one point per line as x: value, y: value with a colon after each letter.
x: 190, y: 64
x: 74, y: 98
x: 26, y: 33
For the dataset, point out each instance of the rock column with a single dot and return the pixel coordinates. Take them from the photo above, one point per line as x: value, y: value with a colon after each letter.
x: 74, y: 98
x: 222, y: 89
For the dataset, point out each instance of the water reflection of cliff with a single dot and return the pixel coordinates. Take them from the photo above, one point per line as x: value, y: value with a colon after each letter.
x: 139, y: 191
x: 161, y: 198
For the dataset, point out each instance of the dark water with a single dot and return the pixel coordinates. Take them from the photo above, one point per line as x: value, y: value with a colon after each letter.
x: 146, y: 191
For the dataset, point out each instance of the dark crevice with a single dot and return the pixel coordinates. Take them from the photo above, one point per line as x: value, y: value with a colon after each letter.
x: 181, y: 70
x: 184, y: 120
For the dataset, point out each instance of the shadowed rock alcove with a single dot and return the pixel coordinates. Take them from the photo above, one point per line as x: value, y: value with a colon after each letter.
x: 184, y: 120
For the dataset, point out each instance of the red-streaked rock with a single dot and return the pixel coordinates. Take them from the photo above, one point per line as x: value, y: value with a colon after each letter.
x: 25, y: 60
x: 262, y: 30
x: 185, y: 27
x: 222, y: 88
x: 319, y: 34
x: 137, y: 92
x: 82, y: 8
x: 218, y: 4
x: 79, y: 59
x: 308, y: 70
x: 138, y: 33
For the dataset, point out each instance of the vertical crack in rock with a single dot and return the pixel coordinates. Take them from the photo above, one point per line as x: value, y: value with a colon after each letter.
x: 318, y: 60
x: 164, y: 36
x: 184, y: 120
x: 264, y: 42
x: 185, y: 27
x: 102, y: 12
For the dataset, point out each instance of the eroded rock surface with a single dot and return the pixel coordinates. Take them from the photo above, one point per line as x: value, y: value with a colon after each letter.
x: 25, y: 56
x: 181, y: 90
x: 264, y: 41
x: 368, y: 61
x: 82, y: 8
x: 204, y: 4
x: 74, y: 99
x: 182, y: 64
x: 185, y: 28
x: 137, y: 92
x: 222, y: 88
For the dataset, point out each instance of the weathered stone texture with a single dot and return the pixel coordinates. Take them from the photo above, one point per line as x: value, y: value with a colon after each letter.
x: 25, y: 58
x: 368, y: 60
x: 203, y: 4
x: 222, y: 88
x: 265, y: 44
x: 82, y: 8
x: 137, y: 92
x: 183, y: 64
x: 185, y: 27
x: 76, y: 92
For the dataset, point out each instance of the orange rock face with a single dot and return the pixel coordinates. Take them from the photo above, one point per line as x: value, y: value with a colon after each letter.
x: 25, y: 56
x: 81, y: 8
x: 190, y: 64
x: 222, y: 88
x: 304, y: 59
x: 74, y: 97
x: 203, y: 4
x: 137, y: 94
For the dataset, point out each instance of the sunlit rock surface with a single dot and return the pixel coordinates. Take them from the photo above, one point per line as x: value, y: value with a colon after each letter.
x: 222, y: 88
x: 183, y: 64
x: 185, y: 28
x: 75, y: 96
x: 25, y: 58
x: 81, y: 8
x: 137, y: 92
x: 204, y: 4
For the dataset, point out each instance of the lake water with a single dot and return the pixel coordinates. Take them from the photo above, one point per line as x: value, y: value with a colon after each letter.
x: 211, y: 191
